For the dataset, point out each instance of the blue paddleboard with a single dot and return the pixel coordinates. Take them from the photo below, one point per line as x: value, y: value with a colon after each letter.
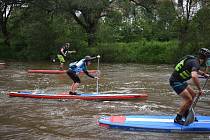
x: 154, y: 124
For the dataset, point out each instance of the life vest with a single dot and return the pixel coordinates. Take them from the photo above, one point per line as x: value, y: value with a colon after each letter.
x: 78, y: 67
x: 180, y: 68
x: 65, y: 50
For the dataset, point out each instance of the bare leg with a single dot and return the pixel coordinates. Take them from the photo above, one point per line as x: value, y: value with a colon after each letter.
x: 191, y: 91
x: 187, y: 95
x: 74, y: 87
x: 61, y: 66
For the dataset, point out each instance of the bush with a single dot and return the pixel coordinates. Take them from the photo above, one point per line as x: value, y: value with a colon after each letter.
x: 137, y: 52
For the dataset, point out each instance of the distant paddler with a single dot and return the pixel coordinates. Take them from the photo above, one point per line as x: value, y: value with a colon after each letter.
x: 62, y: 53
x: 75, y: 68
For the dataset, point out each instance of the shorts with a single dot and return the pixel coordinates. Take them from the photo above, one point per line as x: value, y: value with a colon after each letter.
x: 61, y: 58
x: 73, y: 76
x: 178, y: 87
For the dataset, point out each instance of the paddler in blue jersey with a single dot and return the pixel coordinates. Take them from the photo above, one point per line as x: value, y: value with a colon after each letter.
x: 208, y: 65
x: 188, y: 68
x: 75, y: 68
x: 62, y: 53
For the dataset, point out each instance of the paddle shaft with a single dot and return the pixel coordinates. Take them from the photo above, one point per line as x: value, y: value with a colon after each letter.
x: 97, y: 75
x: 191, y: 115
x: 197, y: 97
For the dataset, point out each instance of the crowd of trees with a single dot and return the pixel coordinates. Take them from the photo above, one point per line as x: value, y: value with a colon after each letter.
x: 144, y: 31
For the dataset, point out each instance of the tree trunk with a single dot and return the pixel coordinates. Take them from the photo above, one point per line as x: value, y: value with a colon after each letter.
x: 6, y: 35
x: 91, y: 35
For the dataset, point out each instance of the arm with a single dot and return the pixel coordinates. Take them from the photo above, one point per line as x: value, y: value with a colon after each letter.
x: 195, y: 79
x: 203, y: 74
x: 71, y: 52
x: 197, y: 82
x: 87, y: 73
x: 62, y: 51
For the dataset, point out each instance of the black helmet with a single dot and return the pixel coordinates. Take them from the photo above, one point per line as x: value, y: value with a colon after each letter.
x: 204, y: 53
x: 88, y: 58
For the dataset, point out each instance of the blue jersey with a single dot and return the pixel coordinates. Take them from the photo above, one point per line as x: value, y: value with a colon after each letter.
x: 78, y: 67
x: 208, y: 62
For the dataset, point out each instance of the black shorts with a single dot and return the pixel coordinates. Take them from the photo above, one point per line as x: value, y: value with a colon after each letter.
x: 178, y: 87
x: 73, y: 76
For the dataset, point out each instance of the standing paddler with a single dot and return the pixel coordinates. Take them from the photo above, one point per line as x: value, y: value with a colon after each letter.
x: 188, y: 68
x: 62, y: 53
x: 75, y: 68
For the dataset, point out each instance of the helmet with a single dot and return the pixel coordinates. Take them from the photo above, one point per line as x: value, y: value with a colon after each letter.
x: 88, y: 58
x: 204, y: 53
x: 67, y: 44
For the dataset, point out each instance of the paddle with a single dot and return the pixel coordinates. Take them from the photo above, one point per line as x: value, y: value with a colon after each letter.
x: 191, y: 115
x: 97, y: 74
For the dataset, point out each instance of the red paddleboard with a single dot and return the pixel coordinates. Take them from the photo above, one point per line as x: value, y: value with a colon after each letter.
x: 57, y: 71
x: 83, y: 96
x: 2, y: 65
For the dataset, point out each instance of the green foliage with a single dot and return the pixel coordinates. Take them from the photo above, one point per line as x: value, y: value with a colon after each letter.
x: 137, y: 32
x: 136, y: 52
x: 200, y: 29
x: 164, y: 27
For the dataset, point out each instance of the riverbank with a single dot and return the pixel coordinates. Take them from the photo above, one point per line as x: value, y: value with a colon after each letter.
x: 143, y: 52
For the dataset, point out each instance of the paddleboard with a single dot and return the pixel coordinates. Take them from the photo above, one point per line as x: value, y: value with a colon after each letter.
x: 56, y: 71
x: 154, y: 124
x: 2, y: 65
x: 83, y: 96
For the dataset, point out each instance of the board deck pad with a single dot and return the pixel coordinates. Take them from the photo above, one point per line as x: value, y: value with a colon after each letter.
x: 154, y: 124
x: 83, y: 96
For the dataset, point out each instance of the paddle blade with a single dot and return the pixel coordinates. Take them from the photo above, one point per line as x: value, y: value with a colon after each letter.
x: 190, y: 117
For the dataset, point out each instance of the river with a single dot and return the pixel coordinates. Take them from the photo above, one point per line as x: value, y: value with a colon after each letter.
x: 42, y: 119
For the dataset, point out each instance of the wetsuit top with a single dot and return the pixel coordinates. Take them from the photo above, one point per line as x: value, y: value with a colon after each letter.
x: 77, y: 67
x: 184, y: 68
x: 65, y: 50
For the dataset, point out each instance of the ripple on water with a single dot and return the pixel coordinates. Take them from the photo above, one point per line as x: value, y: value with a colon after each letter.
x: 76, y: 119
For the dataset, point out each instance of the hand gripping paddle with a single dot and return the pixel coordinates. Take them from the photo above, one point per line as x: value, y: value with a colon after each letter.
x: 191, y: 115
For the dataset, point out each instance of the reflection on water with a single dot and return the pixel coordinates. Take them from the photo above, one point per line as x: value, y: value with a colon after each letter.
x: 26, y: 118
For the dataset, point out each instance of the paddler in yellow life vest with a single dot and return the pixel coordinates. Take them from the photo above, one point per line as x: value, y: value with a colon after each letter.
x: 62, y: 53
x: 75, y: 68
x: 186, y: 69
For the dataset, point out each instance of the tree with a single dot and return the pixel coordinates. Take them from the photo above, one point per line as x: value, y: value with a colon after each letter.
x: 87, y: 14
x: 200, y: 29
x: 165, y: 28
x: 7, y: 7
x: 185, y: 10
x: 138, y: 19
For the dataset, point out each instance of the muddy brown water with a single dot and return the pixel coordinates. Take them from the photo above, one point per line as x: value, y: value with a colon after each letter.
x: 42, y: 119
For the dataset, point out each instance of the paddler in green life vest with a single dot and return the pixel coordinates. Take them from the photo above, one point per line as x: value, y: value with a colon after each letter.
x: 75, y: 68
x: 62, y: 53
x: 188, y: 68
